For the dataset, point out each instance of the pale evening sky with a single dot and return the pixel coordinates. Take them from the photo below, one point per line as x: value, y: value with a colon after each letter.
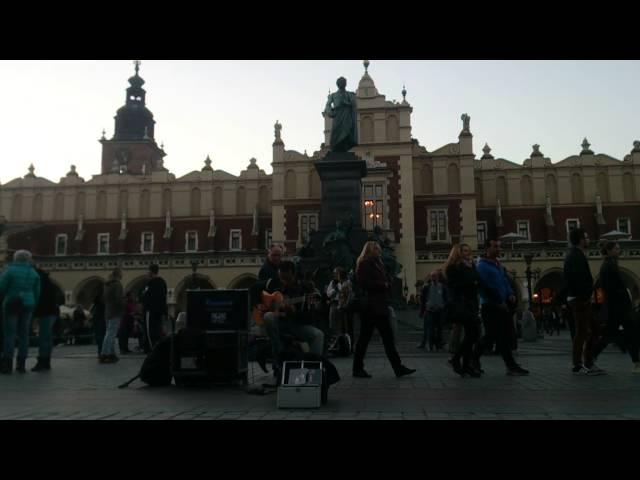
x: 52, y: 112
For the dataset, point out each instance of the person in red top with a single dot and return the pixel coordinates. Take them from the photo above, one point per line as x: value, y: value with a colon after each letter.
x: 371, y: 277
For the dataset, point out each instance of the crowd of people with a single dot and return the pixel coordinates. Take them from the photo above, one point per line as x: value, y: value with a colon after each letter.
x: 474, y: 296
x: 28, y: 293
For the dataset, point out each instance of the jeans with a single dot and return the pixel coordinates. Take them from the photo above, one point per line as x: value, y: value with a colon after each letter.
x: 499, y: 330
x: 368, y: 322
x: 587, y: 332
x: 20, y: 325
x: 109, y: 344
x: 433, y: 329
x: 306, y: 333
x: 45, y: 335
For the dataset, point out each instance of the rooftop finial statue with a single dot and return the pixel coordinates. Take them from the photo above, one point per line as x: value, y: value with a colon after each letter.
x: 341, y: 107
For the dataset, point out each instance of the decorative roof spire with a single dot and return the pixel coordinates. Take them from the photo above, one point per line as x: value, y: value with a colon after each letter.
x: 585, y: 147
x: 366, y: 66
x: 536, y: 151
x: 104, y: 133
x: 137, y: 64
x: 207, y: 165
x: 252, y: 163
x: 487, y: 152
x: 404, y: 94
x: 31, y: 173
x: 636, y: 147
x: 72, y: 172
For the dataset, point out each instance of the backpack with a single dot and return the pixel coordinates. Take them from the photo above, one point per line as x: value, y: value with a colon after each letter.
x: 156, y: 368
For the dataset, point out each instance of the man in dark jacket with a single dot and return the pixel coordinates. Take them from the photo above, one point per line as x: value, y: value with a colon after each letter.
x: 47, y: 312
x: 154, y: 301
x: 269, y: 270
x: 496, y: 299
x: 577, y: 275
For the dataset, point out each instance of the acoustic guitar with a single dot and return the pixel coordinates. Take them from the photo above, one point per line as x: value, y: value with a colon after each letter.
x: 274, y: 302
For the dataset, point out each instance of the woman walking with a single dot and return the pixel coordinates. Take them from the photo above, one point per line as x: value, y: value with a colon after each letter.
x: 618, y: 304
x: 463, y: 283
x: 370, y: 274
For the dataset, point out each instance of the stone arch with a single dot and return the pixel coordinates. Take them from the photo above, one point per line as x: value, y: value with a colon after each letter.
x: 550, y: 283
x: 526, y: 190
x: 366, y: 129
x: 137, y: 285
x: 290, y: 184
x: 243, y: 281
x: 86, y: 291
x: 453, y: 178
x: 191, y: 281
x: 393, y: 128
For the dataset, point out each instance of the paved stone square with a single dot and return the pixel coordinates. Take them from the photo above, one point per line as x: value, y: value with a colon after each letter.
x: 78, y: 388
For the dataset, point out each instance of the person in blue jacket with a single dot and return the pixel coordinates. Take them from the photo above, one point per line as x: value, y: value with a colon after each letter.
x: 495, y: 310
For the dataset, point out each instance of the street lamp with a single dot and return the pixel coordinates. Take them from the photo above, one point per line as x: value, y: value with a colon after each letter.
x: 528, y: 258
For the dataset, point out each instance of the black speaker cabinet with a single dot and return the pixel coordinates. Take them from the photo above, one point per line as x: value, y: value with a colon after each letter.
x: 210, y: 357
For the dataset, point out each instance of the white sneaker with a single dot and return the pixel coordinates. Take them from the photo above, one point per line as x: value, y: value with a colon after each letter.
x: 595, y: 370
x: 580, y: 370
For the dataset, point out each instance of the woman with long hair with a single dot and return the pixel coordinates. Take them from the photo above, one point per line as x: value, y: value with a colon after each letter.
x: 463, y: 283
x: 370, y: 275
x: 618, y: 304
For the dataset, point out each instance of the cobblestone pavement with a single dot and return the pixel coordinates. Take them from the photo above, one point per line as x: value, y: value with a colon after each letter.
x: 79, y: 388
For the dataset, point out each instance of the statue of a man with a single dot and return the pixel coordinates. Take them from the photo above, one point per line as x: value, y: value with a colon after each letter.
x: 341, y: 107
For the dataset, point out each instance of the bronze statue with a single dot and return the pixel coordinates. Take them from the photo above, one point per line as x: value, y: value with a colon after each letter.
x: 341, y: 107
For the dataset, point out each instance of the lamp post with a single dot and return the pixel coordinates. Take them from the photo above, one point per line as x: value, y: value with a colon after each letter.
x: 528, y: 258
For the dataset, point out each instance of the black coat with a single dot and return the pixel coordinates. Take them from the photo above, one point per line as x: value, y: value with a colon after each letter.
x: 372, y: 280
x: 463, y: 283
x: 577, y: 275
x: 615, y: 292
x: 154, y: 297
x: 50, y: 301
x: 268, y: 271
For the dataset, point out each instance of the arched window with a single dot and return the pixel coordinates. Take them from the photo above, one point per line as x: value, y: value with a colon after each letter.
x: 195, y: 202
x: 167, y: 201
x: 366, y: 129
x: 551, y: 188
x: 16, y: 207
x: 290, y: 184
x: 501, y: 191
x: 393, y: 129
x: 315, y: 186
x: 577, y: 195
x: 145, y: 204
x: 526, y: 190
x: 37, y: 208
x: 58, y: 206
x: 628, y: 187
x: 478, y: 188
x: 427, y: 179
x: 603, y: 186
x: 264, y: 199
x: 123, y: 203
x: 453, y: 178
x: 241, y: 201
x: 101, y: 205
x: 81, y: 204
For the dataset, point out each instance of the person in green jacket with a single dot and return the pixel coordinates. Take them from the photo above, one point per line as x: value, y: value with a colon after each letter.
x: 20, y: 286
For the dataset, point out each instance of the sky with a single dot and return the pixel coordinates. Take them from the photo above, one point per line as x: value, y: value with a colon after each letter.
x: 52, y: 112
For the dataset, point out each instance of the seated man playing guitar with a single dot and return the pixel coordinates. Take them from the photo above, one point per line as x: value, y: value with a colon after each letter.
x: 286, y: 312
